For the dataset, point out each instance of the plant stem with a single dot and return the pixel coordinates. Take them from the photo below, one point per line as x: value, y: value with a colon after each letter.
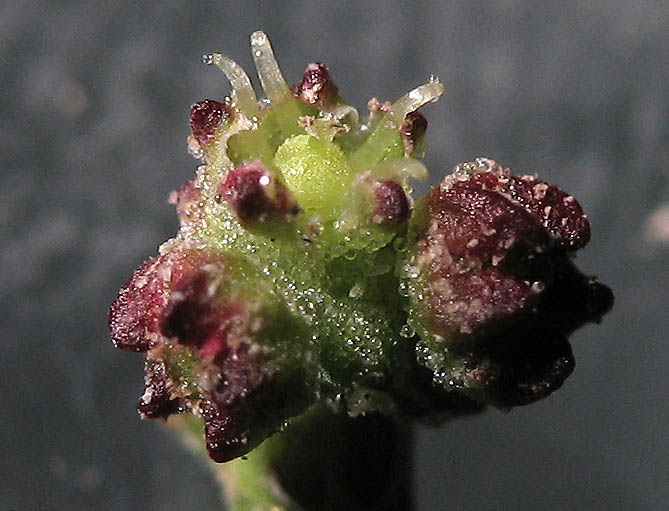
x: 325, y: 461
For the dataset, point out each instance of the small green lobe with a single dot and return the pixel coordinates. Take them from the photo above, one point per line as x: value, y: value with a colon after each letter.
x: 316, y: 171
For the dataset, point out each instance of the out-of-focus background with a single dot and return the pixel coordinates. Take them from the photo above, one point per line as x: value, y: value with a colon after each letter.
x: 93, y: 118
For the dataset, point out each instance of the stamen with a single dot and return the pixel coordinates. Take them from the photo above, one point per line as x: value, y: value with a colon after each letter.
x: 385, y: 134
x: 401, y: 169
x: 243, y: 95
x: 272, y: 80
x: 342, y: 111
x: 413, y: 100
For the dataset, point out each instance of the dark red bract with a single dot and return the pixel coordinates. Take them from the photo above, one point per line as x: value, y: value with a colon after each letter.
x: 496, y: 283
x: 556, y: 210
x: 222, y: 439
x: 522, y: 366
x: 176, y: 309
x: 205, y: 118
x: 316, y: 86
x: 156, y: 401
x: 531, y: 359
x: 413, y: 130
x: 256, y: 194
x: 135, y: 316
x: 488, y: 246
x: 391, y: 204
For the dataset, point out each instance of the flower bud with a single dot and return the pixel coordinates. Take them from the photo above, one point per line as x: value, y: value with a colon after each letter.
x: 533, y: 358
x: 480, y: 258
x: 135, y: 315
x: 391, y: 204
x: 487, y: 260
x: 413, y: 132
x: 256, y: 195
x: 220, y: 343
x: 317, y: 87
x: 205, y: 118
x: 384, y: 200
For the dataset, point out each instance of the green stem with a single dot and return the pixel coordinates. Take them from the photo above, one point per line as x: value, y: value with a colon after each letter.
x: 327, y: 462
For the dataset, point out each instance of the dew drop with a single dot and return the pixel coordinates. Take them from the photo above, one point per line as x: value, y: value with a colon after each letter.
x: 407, y: 331
x: 403, y: 289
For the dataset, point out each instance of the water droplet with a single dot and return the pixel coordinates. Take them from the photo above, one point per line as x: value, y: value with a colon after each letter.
x: 403, y: 289
x: 412, y: 272
x: 407, y: 331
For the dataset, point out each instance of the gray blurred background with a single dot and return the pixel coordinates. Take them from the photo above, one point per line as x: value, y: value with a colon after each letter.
x: 93, y: 119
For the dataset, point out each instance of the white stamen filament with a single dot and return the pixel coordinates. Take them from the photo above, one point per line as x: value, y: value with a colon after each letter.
x: 413, y: 100
x: 401, y: 168
x: 410, y: 167
x: 243, y: 95
x: 342, y: 111
x: 272, y: 80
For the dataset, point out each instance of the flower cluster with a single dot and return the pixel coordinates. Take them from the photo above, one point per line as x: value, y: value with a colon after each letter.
x: 304, y: 271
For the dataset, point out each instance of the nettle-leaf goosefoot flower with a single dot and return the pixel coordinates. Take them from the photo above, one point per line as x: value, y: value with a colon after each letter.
x: 304, y: 273
x: 214, y: 347
x: 489, y: 279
